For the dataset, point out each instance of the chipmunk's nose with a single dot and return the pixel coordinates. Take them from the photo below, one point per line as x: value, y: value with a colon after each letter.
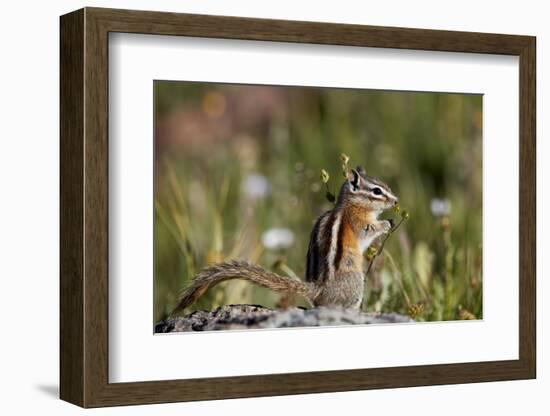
x: 395, y: 202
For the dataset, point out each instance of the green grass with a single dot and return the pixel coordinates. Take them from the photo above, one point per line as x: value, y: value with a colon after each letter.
x: 211, y: 137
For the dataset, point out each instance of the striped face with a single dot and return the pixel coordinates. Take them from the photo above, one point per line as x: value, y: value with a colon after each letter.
x: 367, y: 191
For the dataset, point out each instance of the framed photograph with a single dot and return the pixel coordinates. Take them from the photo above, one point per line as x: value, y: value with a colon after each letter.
x: 255, y: 207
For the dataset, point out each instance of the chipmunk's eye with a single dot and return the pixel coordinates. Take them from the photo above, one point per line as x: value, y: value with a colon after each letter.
x: 377, y: 191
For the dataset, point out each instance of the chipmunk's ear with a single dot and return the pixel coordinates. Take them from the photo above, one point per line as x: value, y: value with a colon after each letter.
x: 361, y: 170
x: 354, y: 180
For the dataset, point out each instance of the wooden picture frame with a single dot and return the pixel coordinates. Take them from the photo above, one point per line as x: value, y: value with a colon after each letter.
x: 84, y: 207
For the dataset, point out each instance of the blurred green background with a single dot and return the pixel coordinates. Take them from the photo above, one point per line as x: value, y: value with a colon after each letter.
x: 237, y: 175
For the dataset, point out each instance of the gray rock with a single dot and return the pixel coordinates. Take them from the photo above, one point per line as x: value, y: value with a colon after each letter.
x: 254, y: 316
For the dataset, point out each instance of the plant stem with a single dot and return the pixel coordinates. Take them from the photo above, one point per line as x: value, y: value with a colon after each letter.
x: 382, y: 245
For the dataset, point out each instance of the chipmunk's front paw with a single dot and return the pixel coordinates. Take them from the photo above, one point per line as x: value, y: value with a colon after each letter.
x: 386, y: 225
x: 378, y: 228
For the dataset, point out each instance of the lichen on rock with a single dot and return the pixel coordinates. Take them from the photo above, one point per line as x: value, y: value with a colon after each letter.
x: 231, y: 317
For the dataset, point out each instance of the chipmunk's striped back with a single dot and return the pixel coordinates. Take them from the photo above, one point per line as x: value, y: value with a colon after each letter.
x: 322, y: 247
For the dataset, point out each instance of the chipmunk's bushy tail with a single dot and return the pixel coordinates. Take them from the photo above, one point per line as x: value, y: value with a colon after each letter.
x: 235, y: 269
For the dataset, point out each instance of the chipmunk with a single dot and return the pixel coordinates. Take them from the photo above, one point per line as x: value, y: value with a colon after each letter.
x: 334, y: 275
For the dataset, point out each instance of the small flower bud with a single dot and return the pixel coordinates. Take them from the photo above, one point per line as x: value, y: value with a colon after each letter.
x: 371, y: 251
x: 416, y: 310
x: 405, y: 214
x: 324, y: 176
x: 345, y: 159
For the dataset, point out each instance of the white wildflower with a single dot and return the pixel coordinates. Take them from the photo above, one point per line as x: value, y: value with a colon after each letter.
x: 440, y: 207
x: 277, y: 238
x: 256, y: 186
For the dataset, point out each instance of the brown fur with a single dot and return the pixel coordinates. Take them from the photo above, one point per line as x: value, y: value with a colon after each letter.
x: 235, y: 269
